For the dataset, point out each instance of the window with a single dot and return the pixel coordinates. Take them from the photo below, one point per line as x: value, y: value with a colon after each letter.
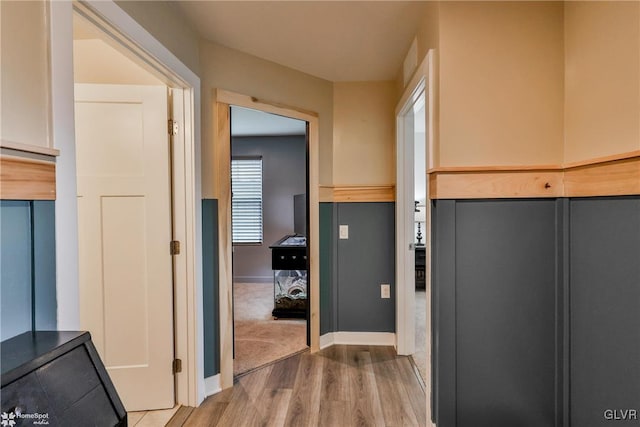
x: 246, y: 200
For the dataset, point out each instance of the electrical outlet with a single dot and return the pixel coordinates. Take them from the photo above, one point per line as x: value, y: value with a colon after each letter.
x: 344, y: 231
x: 385, y: 290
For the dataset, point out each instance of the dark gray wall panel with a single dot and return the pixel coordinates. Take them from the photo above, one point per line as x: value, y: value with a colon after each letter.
x: 366, y: 260
x: 210, y: 277
x: 505, y: 313
x: 44, y: 265
x: 283, y: 169
x: 443, y: 306
x: 15, y: 268
x: 562, y: 305
x: 328, y: 253
x: 605, y: 309
x: 495, y: 288
x: 538, y: 303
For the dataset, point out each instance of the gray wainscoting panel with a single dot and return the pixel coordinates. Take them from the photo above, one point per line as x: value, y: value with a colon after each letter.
x: 506, y: 313
x: 562, y: 304
x: 495, y: 290
x: 366, y: 260
x: 328, y: 254
x: 605, y: 310
x: 210, y: 277
x: 443, y: 310
x: 15, y: 268
x: 44, y: 265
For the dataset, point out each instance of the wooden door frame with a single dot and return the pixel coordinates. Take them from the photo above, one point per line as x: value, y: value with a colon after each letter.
x: 107, y: 15
x: 222, y: 101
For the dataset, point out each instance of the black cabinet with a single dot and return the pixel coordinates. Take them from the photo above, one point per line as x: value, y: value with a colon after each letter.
x: 57, y: 379
x: 288, y: 258
x: 289, y: 263
x: 420, y: 267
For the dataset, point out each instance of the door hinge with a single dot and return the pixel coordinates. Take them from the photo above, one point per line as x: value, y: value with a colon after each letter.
x: 173, y: 127
x: 174, y: 247
x: 177, y: 366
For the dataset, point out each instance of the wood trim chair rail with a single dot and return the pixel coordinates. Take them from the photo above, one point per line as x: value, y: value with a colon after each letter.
x: 357, y: 193
x: 27, y: 179
x: 615, y: 175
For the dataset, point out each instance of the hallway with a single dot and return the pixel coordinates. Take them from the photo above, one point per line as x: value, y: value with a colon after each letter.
x: 341, y: 385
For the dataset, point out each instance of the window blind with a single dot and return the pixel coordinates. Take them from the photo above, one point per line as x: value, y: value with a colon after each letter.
x: 246, y: 200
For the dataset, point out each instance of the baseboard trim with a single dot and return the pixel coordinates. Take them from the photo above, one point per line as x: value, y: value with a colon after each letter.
x: 326, y: 340
x: 253, y: 279
x: 212, y: 385
x: 357, y: 338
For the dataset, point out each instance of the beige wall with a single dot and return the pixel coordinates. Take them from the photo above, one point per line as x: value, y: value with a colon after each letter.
x: 24, y: 87
x: 427, y: 38
x: 166, y: 22
x: 94, y: 61
x: 501, y: 83
x: 239, y: 72
x: 364, y: 133
x: 526, y: 83
x: 602, y: 91
x: 428, y: 34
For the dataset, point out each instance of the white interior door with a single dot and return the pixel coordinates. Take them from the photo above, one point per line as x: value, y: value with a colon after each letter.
x: 405, y: 256
x: 124, y: 216
x: 411, y: 185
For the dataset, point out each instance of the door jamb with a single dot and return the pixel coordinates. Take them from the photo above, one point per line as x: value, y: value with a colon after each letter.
x: 422, y: 81
x: 135, y: 39
x: 222, y: 100
x: 405, y: 337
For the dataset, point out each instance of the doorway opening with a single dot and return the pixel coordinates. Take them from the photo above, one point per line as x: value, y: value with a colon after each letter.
x: 222, y: 191
x: 411, y: 226
x: 269, y: 221
x: 420, y: 231
x: 135, y: 198
x: 414, y: 148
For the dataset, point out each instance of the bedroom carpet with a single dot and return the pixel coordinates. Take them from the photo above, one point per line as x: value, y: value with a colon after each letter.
x: 260, y: 340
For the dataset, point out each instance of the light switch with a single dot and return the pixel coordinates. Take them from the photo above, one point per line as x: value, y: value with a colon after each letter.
x: 344, y: 231
x: 385, y: 290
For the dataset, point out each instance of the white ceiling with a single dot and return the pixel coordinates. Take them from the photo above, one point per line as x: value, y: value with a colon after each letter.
x: 333, y: 40
x: 246, y: 122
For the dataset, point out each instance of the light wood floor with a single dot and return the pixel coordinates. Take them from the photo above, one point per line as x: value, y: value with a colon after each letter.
x: 151, y: 418
x: 339, y: 386
x: 420, y: 355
